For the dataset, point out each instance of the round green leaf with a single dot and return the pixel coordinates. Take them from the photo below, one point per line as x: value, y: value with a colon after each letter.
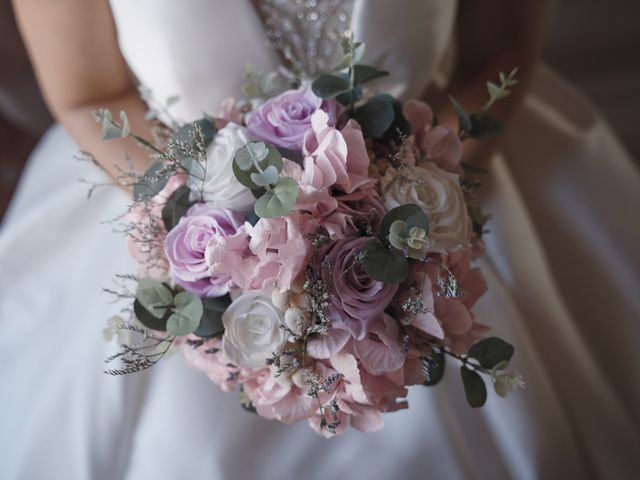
x: 189, y: 132
x: 211, y: 321
x: 154, y: 296
x: 474, y: 387
x: 330, y: 86
x: 149, y: 320
x: 491, y: 351
x: 384, y: 265
x: 150, y: 184
x: 410, y: 213
x: 365, y: 73
x: 273, y: 158
x: 484, y: 126
x: 375, y: 117
x: 278, y: 201
x: 187, y: 314
x: 176, y: 207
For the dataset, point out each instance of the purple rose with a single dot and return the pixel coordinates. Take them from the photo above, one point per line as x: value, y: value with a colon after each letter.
x: 284, y: 120
x: 356, y: 299
x: 204, y: 248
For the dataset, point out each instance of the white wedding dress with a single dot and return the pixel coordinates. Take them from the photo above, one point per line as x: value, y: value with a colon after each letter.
x: 562, y: 266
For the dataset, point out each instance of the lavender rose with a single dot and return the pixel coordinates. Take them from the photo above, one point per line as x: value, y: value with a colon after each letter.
x: 204, y: 248
x: 357, y: 299
x: 284, y: 120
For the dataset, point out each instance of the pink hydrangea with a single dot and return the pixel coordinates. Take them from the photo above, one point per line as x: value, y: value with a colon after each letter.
x: 437, y: 143
x: 279, y: 250
x: 148, y: 231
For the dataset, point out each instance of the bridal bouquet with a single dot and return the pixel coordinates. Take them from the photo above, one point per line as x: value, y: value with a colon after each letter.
x: 313, y: 249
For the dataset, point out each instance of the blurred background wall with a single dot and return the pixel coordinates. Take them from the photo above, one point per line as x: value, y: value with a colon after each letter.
x: 593, y: 43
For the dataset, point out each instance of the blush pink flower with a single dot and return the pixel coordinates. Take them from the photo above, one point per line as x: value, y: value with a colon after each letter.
x: 335, y: 158
x: 278, y: 400
x: 208, y: 359
x: 437, y: 143
x: 279, y: 248
x: 146, y: 241
x: 380, y: 351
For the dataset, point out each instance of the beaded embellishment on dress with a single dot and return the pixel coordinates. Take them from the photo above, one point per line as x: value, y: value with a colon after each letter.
x: 306, y: 32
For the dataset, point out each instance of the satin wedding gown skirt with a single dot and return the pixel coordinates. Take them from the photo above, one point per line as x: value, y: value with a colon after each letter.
x: 562, y: 266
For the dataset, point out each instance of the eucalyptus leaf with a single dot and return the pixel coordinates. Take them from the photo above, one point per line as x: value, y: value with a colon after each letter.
x: 211, y: 321
x: 433, y: 367
x: 346, y: 62
x: 491, y: 351
x: 384, y: 265
x: 474, y: 387
x: 278, y: 201
x: 330, y: 86
x: 176, y: 207
x: 494, y: 90
x: 364, y: 73
x: 148, y: 319
x: 126, y: 127
x: 252, y: 151
x: 350, y: 97
x: 187, y: 314
x: 358, y: 51
x: 151, y: 183
x: 189, y: 132
x: 273, y: 158
x: 154, y: 296
x: 464, y: 121
x: 266, y: 177
x: 483, y: 126
x: 375, y: 117
x: 410, y: 213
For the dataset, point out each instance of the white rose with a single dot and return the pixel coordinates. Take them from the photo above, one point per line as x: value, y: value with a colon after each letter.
x: 439, y: 195
x: 220, y: 187
x: 252, y: 330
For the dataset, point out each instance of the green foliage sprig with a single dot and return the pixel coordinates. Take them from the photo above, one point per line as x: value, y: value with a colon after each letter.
x: 480, y: 125
x: 258, y: 166
x: 485, y: 357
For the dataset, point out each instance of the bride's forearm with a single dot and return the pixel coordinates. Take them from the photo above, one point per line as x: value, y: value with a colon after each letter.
x: 73, y: 46
x: 117, y: 155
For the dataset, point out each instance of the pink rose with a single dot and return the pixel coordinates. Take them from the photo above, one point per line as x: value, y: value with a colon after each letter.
x: 204, y: 248
x: 356, y: 298
x: 284, y: 120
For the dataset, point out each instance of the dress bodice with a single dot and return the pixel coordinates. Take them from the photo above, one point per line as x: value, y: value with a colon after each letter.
x: 198, y: 50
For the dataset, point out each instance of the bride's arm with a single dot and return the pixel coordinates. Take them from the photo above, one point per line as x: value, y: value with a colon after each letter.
x: 492, y: 37
x: 73, y: 46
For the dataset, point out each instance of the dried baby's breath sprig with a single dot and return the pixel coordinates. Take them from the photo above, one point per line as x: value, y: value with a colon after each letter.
x: 312, y: 379
x: 285, y: 362
x: 141, y: 354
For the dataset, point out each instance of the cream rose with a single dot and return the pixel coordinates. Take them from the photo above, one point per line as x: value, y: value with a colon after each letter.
x: 220, y: 187
x: 438, y: 193
x: 252, y: 330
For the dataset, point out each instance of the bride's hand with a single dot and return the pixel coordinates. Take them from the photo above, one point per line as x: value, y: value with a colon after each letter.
x: 490, y: 37
x: 74, y: 50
